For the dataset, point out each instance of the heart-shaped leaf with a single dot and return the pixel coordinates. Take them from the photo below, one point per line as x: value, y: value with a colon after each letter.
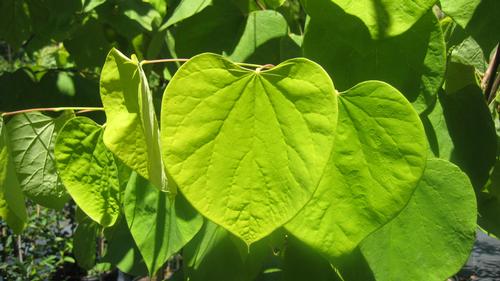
x: 378, y: 157
x: 247, y: 148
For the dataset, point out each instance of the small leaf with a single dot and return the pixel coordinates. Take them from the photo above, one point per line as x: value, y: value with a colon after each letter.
x: 12, y: 208
x: 186, y: 9
x: 378, y: 157
x: 171, y: 223
x: 88, y: 170
x: 33, y: 136
x: 436, y: 231
x: 132, y: 132
x: 248, y: 148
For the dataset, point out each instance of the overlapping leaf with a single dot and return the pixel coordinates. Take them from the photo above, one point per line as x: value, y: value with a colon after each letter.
x: 33, y: 136
x: 413, y: 62
x: 382, y: 17
x: 436, y: 231
x: 132, y: 132
x: 171, y: 223
x: 378, y: 157
x: 88, y: 170
x: 12, y: 208
x: 248, y: 148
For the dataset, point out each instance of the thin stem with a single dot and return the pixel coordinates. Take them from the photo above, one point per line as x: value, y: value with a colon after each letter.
x: 162, y: 61
x: 82, y: 109
x: 489, y: 76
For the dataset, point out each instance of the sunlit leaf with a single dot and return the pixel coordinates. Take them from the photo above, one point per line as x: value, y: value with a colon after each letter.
x: 247, y: 148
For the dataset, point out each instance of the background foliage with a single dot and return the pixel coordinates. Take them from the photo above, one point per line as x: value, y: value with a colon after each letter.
x: 441, y: 55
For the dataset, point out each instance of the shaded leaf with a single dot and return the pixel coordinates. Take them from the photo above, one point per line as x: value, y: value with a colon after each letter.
x: 260, y: 41
x: 172, y: 224
x: 413, y: 62
x: 15, y: 22
x: 12, y: 208
x: 84, y: 241
x: 186, y: 9
x: 247, y: 148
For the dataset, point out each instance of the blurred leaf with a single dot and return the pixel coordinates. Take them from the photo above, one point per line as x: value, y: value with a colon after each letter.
x: 12, y: 208
x: 435, y: 231
x: 273, y: 4
x: 88, y: 45
x: 33, y: 136
x: 15, y: 22
x: 413, y: 62
x: 88, y: 170
x: 172, y: 223
x: 89, y: 5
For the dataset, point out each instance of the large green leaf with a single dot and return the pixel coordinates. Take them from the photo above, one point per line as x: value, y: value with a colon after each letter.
x: 33, y: 136
x: 378, y: 157
x: 382, y: 18
x: 88, y: 170
x: 413, y: 62
x: 172, y: 224
x: 12, y: 208
x: 132, y: 132
x: 435, y: 231
x: 214, y: 254
x: 248, y: 148
x: 260, y: 41
x: 479, y: 18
